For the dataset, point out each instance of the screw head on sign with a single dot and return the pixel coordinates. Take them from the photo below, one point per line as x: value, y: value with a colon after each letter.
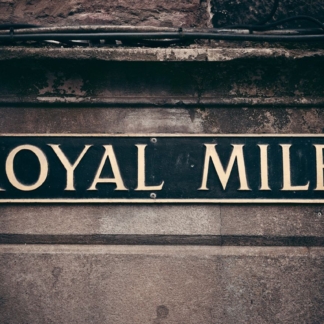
x: 153, y: 195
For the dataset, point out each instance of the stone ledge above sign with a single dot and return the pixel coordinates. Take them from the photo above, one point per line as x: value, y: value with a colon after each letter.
x: 164, y: 168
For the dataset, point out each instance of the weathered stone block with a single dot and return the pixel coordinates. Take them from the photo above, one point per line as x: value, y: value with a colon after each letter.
x: 109, y: 284
x: 121, y: 12
x: 111, y: 219
x: 285, y: 77
x: 162, y: 120
x: 268, y: 220
x: 226, y: 12
x: 98, y: 120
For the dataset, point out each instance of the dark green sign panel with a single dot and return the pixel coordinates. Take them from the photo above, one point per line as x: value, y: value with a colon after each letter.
x: 161, y: 168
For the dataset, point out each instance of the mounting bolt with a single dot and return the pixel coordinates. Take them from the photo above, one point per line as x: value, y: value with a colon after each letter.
x: 153, y: 195
x: 153, y: 140
x: 319, y: 214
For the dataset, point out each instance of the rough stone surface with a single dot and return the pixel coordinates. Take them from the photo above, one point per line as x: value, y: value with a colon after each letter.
x: 274, y: 80
x: 198, y: 54
x: 228, y: 12
x: 110, y: 219
x: 215, y: 220
x: 121, y: 12
x: 272, y: 220
x: 109, y: 284
x: 256, y: 120
x: 162, y: 120
x: 98, y: 120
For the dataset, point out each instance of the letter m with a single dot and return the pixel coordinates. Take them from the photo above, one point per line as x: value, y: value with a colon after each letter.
x: 223, y: 175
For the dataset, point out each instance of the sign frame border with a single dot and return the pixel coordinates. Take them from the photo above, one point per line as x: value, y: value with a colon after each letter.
x: 156, y: 200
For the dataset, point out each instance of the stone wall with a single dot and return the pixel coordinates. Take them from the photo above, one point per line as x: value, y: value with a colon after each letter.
x: 136, y: 12
x: 174, y: 263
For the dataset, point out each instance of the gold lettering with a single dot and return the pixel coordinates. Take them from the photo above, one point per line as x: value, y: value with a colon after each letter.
x: 141, y: 171
x: 264, y: 166
x: 237, y: 154
x: 11, y: 173
x: 110, y: 154
x: 67, y: 165
x: 287, y: 172
x: 319, y: 167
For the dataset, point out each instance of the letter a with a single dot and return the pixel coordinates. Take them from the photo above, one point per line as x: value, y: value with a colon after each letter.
x: 109, y: 153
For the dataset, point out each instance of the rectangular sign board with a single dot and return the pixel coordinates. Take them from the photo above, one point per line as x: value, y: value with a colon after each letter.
x: 161, y: 168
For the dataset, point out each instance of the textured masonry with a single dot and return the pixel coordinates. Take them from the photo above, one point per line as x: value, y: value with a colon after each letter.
x: 188, y: 263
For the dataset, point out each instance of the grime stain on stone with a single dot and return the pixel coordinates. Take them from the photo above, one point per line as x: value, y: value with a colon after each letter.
x: 162, y: 313
x: 252, y: 120
x: 58, y: 83
x: 56, y: 272
x: 50, y: 83
x: 192, y: 114
x: 2, y: 301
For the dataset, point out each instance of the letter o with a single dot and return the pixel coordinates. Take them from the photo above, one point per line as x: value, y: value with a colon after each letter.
x: 11, y: 173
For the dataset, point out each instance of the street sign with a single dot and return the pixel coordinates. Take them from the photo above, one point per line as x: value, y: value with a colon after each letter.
x: 161, y: 168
